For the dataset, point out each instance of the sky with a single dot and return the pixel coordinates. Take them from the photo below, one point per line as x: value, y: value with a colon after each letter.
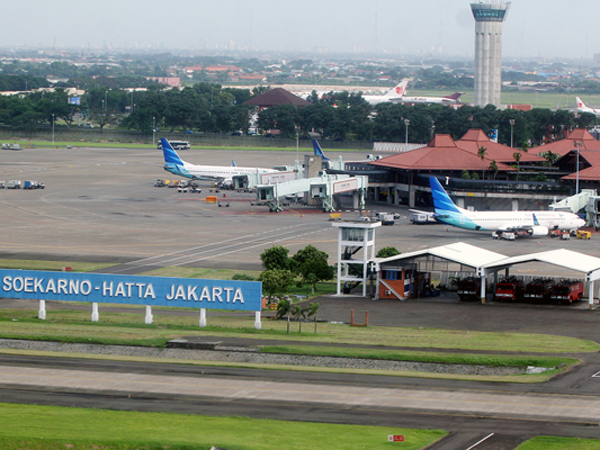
x: 533, y: 28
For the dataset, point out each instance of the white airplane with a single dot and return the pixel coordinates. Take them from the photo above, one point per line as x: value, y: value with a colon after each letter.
x: 446, y: 100
x: 534, y: 223
x: 586, y: 109
x: 389, y: 96
x: 222, y: 175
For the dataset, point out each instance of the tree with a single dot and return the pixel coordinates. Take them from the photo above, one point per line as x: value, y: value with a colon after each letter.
x: 276, y: 282
x: 283, y: 310
x: 276, y: 258
x: 517, y: 157
x: 386, y: 252
x: 311, y: 311
x: 494, y: 167
x: 312, y: 265
x: 299, y: 314
x: 481, y: 153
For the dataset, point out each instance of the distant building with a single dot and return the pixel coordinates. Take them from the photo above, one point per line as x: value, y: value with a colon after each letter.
x: 167, y: 81
x: 488, y: 51
x: 276, y: 97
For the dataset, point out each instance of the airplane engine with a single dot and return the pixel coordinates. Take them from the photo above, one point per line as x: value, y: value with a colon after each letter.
x: 538, y: 230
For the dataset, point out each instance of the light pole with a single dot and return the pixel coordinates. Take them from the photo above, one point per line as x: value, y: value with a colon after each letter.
x: 512, y: 124
x: 578, y: 145
x: 106, y: 99
x: 52, y: 129
x: 153, y: 130
x: 406, y: 123
x: 297, y: 144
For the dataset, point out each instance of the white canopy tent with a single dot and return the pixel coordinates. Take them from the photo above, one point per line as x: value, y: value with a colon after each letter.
x: 486, y: 262
x: 459, y: 252
x: 568, y: 259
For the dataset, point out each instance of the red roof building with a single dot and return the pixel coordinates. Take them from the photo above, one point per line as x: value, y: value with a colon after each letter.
x: 567, y: 144
x: 589, y: 165
x: 442, y: 156
x: 275, y: 97
x: 474, y: 139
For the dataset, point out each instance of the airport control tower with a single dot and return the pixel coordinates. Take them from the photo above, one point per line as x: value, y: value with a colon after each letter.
x: 488, y: 51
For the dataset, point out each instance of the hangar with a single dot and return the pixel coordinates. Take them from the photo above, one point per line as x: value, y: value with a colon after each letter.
x: 409, y: 274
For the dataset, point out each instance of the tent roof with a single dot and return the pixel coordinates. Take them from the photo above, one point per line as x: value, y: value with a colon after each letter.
x: 458, y: 252
x: 579, y: 262
x: 488, y: 261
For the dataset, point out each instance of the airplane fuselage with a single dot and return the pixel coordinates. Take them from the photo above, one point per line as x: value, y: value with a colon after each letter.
x: 212, y: 173
x: 432, y: 100
x: 511, y: 220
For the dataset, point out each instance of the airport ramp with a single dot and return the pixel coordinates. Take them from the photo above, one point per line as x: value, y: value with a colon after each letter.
x: 576, y: 202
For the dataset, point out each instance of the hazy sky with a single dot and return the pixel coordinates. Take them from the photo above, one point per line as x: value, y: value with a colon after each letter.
x: 548, y: 28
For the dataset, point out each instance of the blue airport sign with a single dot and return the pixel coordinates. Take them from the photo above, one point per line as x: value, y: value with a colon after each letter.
x: 131, y: 290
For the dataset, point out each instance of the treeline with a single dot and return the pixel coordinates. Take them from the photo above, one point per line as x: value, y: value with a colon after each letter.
x: 209, y: 108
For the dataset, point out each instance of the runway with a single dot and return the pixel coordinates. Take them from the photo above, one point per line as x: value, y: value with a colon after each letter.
x: 566, y: 408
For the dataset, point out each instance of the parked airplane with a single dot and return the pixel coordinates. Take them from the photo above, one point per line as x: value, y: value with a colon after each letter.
x: 447, y: 100
x: 391, y: 95
x: 586, y: 109
x: 537, y: 223
x: 318, y: 151
x: 219, y: 174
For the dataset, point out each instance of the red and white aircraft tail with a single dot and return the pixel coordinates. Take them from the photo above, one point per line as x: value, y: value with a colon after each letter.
x: 393, y: 94
x: 586, y: 109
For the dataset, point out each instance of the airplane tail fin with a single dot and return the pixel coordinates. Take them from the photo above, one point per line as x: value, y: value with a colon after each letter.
x: 580, y: 104
x: 169, y: 153
x: 399, y: 90
x: 442, y: 202
x: 319, y: 151
x: 454, y: 96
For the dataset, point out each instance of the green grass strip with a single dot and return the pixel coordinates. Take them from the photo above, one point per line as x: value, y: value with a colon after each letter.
x: 445, y: 358
x: 47, y: 427
x: 129, y: 329
x: 559, y: 443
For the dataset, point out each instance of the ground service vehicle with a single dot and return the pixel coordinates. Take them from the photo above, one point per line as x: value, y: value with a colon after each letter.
x: 177, y: 145
x: 14, y: 184
x: 567, y: 291
x: 539, y: 289
x: 509, y: 289
x: 469, y: 288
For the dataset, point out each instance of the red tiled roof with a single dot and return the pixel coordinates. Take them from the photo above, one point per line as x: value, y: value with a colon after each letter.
x: 589, y: 174
x: 474, y: 139
x: 442, y: 153
x: 565, y: 145
x: 277, y: 96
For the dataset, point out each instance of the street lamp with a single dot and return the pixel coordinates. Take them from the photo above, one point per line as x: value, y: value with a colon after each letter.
x: 153, y: 130
x: 106, y: 99
x: 512, y: 124
x: 52, y: 129
x: 297, y: 144
x: 406, y: 123
x: 578, y: 145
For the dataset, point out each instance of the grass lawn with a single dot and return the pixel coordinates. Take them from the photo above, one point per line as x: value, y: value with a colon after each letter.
x: 121, y: 328
x: 48, y: 428
x: 559, y: 443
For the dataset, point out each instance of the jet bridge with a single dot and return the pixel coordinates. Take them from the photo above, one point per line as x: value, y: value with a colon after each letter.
x: 319, y: 189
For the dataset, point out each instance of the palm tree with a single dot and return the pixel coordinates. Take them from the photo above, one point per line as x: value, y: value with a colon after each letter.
x: 517, y: 157
x: 494, y: 167
x: 311, y: 311
x: 481, y: 153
